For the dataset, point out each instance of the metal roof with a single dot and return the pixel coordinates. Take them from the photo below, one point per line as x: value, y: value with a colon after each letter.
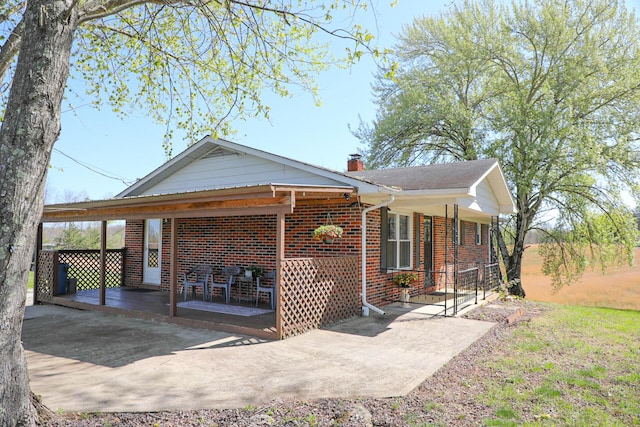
x: 249, y: 200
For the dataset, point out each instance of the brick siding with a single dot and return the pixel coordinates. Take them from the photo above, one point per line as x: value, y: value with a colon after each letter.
x: 245, y: 241
x: 134, y: 243
x: 251, y: 240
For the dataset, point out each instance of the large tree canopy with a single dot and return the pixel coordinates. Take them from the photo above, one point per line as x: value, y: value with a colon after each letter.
x: 549, y: 87
x: 193, y: 65
x: 189, y: 63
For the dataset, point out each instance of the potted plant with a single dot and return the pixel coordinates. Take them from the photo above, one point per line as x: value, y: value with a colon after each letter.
x: 327, y: 233
x: 404, y: 282
x: 253, y: 271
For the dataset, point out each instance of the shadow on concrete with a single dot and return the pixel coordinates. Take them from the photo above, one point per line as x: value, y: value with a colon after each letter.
x: 376, y: 324
x: 113, y: 341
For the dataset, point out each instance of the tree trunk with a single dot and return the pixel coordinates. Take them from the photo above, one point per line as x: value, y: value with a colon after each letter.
x: 513, y: 265
x: 30, y: 127
x: 513, y: 260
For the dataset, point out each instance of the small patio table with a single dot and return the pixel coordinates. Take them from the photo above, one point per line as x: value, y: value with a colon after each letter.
x: 246, y: 288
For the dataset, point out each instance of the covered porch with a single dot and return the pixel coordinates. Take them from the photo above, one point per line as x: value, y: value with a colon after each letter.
x: 311, y: 291
x: 151, y: 304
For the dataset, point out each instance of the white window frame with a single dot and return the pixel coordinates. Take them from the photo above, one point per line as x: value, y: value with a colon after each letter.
x: 398, y: 241
x: 478, y: 233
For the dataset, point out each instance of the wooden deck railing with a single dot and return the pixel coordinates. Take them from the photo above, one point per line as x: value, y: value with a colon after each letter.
x: 84, y: 265
x: 81, y: 265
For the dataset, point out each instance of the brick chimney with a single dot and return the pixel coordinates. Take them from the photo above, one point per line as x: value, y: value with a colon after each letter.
x: 355, y: 163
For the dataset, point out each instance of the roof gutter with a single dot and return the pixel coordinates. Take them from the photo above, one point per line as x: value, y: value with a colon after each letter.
x: 365, y: 305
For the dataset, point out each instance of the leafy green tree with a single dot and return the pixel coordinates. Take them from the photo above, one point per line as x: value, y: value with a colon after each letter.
x: 70, y: 238
x: 74, y: 237
x: 115, y: 235
x: 597, y: 241
x: 550, y: 88
x: 190, y: 63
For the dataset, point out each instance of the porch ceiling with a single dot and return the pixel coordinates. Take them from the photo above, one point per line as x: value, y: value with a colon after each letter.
x: 267, y: 199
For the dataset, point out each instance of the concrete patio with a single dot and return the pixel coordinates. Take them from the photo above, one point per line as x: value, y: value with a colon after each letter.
x: 82, y: 361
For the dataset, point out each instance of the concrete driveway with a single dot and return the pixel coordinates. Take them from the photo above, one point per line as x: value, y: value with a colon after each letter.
x: 81, y: 361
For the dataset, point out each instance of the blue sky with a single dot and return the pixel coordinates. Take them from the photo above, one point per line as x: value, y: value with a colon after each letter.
x: 299, y: 129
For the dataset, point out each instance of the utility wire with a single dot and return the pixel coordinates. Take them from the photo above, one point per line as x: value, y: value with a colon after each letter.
x: 97, y: 169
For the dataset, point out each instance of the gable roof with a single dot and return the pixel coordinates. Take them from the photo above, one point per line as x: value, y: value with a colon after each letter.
x: 216, y: 164
x: 212, y: 172
x: 475, y: 185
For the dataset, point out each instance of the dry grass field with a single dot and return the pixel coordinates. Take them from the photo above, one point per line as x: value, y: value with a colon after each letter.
x: 617, y: 288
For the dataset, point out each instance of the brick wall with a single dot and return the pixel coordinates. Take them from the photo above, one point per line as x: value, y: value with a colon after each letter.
x: 377, y: 281
x: 308, y: 216
x: 469, y: 253
x: 245, y: 241
x: 134, y: 243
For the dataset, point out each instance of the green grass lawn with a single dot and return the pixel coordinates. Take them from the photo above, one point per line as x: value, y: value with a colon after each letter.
x: 573, y: 366
x: 30, y: 283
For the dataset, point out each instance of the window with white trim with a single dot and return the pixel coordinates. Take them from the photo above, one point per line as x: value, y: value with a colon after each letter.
x: 399, y: 241
x: 478, y: 233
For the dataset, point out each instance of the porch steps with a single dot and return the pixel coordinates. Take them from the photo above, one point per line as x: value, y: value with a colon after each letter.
x: 432, y: 298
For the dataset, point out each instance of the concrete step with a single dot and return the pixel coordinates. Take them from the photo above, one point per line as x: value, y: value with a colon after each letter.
x: 432, y: 298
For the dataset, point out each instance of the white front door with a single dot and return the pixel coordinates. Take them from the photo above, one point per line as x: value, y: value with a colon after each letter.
x: 152, y: 251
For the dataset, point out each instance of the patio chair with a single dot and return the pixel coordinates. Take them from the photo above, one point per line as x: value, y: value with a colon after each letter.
x: 230, y: 274
x: 271, y: 290
x: 198, y: 275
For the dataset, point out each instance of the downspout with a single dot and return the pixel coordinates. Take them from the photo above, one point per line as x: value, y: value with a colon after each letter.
x: 365, y: 305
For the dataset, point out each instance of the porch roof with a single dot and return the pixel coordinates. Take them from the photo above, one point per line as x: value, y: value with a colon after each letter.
x: 477, y: 186
x: 264, y: 199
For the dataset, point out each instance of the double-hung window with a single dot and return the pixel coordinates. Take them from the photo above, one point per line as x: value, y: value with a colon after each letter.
x: 398, y: 240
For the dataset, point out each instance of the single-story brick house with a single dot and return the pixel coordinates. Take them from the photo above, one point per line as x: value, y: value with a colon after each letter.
x: 224, y: 204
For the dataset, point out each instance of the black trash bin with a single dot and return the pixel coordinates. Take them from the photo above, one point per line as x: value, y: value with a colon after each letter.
x: 63, y: 278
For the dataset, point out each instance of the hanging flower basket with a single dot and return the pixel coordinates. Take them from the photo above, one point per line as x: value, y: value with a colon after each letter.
x: 327, y: 233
